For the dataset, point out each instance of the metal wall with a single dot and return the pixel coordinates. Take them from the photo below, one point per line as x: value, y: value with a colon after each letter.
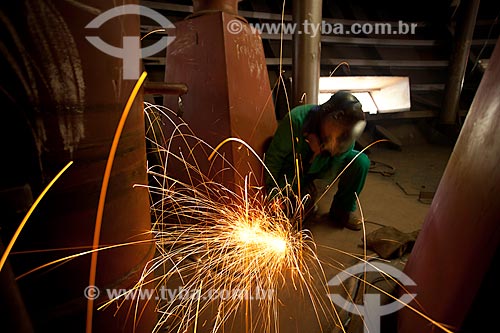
x: 65, y: 99
x: 461, y: 232
x: 222, y: 62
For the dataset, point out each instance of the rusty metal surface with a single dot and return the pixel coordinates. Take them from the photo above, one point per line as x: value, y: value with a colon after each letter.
x: 165, y: 88
x: 72, y: 104
x: 228, y: 6
x: 229, y: 91
x: 462, y: 229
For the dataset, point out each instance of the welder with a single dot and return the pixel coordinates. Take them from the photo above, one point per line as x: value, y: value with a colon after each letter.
x: 317, y: 142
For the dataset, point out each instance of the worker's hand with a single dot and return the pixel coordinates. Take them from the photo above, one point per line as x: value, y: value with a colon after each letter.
x: 314, y: 143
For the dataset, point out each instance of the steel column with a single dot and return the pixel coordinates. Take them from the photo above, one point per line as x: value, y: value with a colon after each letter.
x: 458, y: 63
x: 306, y: 61
x: 461, y: 232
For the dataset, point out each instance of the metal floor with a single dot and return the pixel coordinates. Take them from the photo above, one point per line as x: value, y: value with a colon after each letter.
x: 385, y: 201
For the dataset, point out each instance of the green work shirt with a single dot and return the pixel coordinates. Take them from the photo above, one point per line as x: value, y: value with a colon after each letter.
x: 280, y: 160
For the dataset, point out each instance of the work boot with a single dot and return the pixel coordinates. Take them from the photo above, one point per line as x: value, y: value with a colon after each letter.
x: 354, y: 222
x: 346, y: 219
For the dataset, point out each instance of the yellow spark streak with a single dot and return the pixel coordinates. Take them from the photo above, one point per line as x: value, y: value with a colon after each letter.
x: 297, y: 170
x: 152, y: 32
x: 108, y: 247
x: 23, y: 222
x: 248, y: 147
x: 102, y: 196
x: 364, y: 238
x: 197, y: 309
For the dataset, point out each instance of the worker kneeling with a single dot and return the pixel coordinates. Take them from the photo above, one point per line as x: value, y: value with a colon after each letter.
x: 322, y: 138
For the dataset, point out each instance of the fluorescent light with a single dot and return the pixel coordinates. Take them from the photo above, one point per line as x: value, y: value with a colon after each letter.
x: 367, y: 102
x: 376, y: 93
x: 323, y: 97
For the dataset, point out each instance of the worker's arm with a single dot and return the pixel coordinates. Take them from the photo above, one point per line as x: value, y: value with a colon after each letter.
x: 279, y: 154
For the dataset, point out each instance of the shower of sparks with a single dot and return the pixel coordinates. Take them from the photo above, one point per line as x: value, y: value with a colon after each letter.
x: 229, y: 252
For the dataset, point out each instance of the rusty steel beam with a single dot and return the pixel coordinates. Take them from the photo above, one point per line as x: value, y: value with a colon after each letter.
x: 205, y: 6
x: 461, y: 232
x: 165, y: 88
x: 306, y: 51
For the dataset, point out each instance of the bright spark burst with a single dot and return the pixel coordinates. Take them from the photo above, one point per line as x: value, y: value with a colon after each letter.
x: 211, y: 239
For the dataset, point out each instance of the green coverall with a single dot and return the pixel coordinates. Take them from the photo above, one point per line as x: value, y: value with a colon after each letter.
x: 280, y: 161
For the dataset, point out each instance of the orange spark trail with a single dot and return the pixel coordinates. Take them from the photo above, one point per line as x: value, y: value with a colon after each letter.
x: 23, y: 222
x: 102, y: 196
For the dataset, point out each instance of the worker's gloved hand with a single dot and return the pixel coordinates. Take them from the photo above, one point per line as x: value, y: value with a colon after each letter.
x: 315, y: 145
x: 290, y: 206
x: 283, y: 205
x: 309, y: 197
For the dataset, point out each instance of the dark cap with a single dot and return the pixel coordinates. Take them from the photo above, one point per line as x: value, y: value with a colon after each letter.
x: 343, y: 105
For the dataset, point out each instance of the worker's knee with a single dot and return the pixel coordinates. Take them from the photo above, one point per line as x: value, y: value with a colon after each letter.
x: 361, y: 163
